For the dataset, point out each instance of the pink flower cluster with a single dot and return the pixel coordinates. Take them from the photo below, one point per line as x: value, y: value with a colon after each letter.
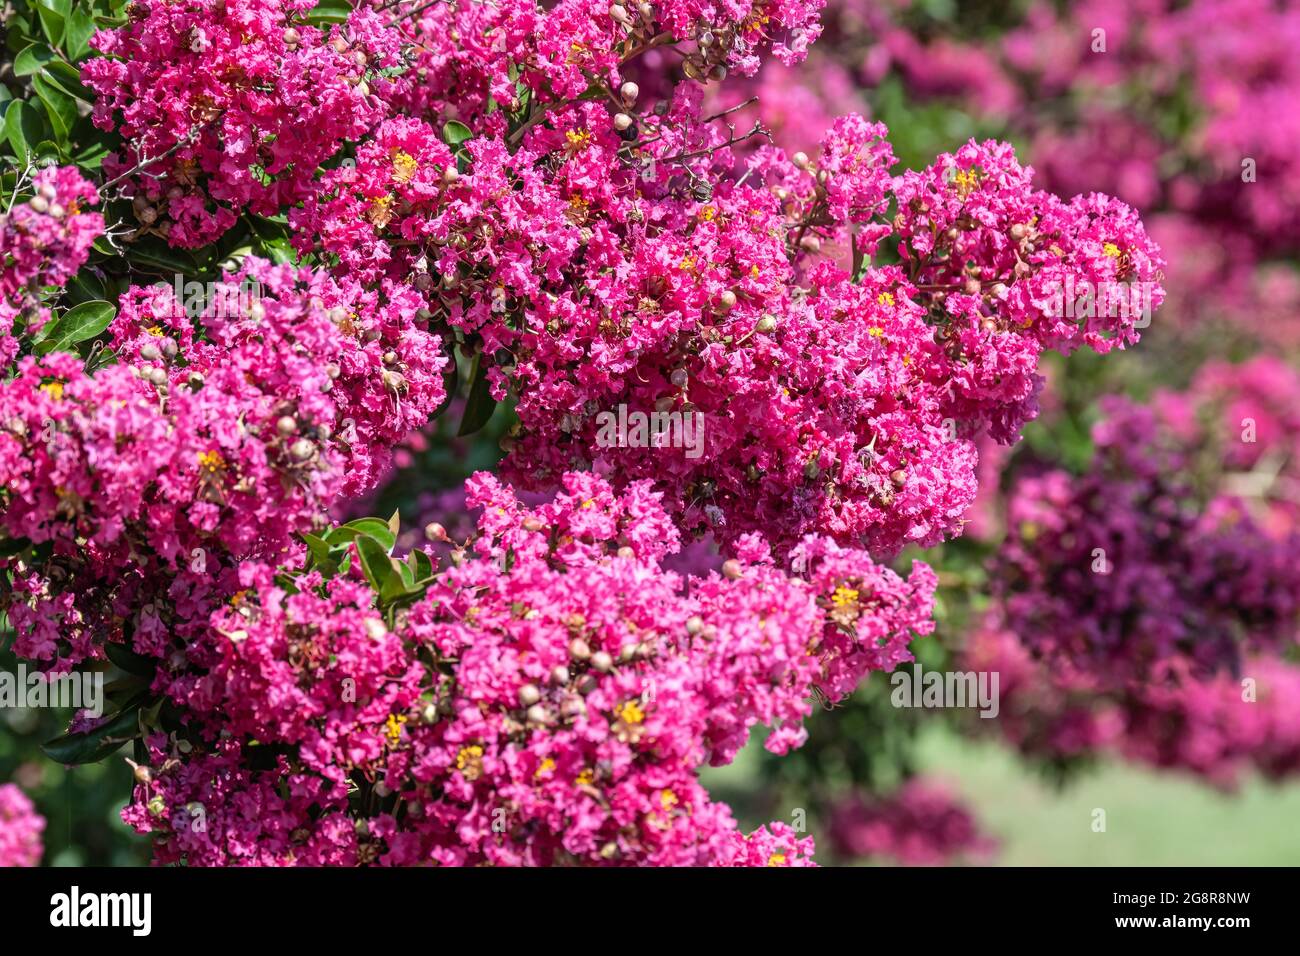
x: 158, y: 475
x: 495, y: 176
x: 229, y: 105
x: 20, y: 828
x: 838, y: 407
x: 921, y: 824
x: 1146, y: 607
x: 481, y: 57
x: 548, y: 699
x: 43, y: 242
x: 1177, y: 108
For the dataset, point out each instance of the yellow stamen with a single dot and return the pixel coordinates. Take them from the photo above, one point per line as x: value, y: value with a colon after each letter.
x: 404, y: 166
x: 843, y: 596
x: 393, y: 728
x: 631, y: 713
x: 211, y: 461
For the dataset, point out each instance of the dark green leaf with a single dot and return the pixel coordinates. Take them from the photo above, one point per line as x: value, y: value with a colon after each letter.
x: 52, y: 22
x: 329, y: 11
x: 24, y: 128
x: 152, y: 255
x: 93, y: 745
x: 480, y: 405
x: 59, y: 106
x: 80, y: 28
x: 78, y: 324
x: 129, y: 661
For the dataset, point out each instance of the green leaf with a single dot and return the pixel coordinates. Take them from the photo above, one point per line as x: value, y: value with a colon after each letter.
x: 317, y: 546
x: 59, y: 106
x: 78, y: 324
x: 129, y: 661
x: 376, y: 528
x: 151, y: 254
x: 329, y: 11
x: 455, y: 132
x: 92, y: 745
x: 32, y: 59
x: 376, y: 564
x: 68, y: 79
x: 85, y: 287
x: 92, y: 156
x: 24, y: 128
x: 52, y: 22
x: 480, y: 405
x: 81, y: 27
x: 421, y: 565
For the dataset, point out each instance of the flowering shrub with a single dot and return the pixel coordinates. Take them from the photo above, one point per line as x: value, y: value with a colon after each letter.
x: 503, y: 210
x: 1147, y: 606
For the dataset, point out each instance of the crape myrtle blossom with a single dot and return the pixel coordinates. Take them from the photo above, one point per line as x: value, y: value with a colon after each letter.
x: 227, y: 105
x: 20, y: 828
x: 478, y: 57
x: 493, y: 177
x: 43, y: 242
x: 1148, y: 606
x: 1163, y: 550
x: 548, y: 699
x: 197, y: 451
x: 601, y: 274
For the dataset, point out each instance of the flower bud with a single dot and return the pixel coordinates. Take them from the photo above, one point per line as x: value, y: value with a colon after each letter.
x: 629, y: 91
x: 301, y: 450
x: 766, y: 325
x: 286, y: 425
x: 602, y: 662
x: 529, y: 695
x: 732, y: 569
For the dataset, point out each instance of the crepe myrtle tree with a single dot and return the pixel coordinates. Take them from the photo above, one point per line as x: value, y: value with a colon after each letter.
x: 397, y: 209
